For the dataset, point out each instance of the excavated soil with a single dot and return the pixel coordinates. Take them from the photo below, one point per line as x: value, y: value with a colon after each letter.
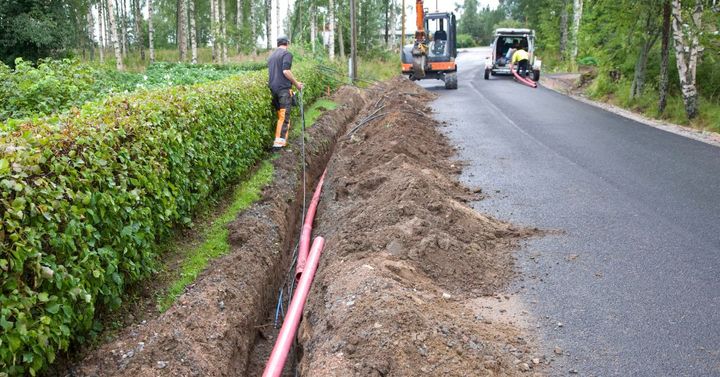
x: 411, y: 278
x: 211, y: 329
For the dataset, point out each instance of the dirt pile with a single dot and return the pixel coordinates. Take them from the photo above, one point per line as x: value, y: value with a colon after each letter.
x: 211, y: 329
x: 403, y: 283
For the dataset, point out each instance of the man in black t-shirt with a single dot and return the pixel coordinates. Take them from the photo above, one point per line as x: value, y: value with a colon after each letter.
x: 281, y: 81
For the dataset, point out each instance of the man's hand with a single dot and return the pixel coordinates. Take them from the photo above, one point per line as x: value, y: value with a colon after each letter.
x: 299, y: 85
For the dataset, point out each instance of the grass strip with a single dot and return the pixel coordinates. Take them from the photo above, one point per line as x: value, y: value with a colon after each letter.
x: 216, y: 236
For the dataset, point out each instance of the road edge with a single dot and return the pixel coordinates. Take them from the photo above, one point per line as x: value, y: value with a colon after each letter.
x: 706, y: 137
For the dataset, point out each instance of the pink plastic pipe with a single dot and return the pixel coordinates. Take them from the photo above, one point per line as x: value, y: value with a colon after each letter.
x: 286, y: 336
x: 523, y: 80
x: 306, y: 231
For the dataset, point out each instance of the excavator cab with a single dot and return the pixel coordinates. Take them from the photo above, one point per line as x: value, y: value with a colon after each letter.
x: 432, y: 55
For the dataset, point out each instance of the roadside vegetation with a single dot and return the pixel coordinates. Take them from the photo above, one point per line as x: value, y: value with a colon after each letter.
x: 632, y: 53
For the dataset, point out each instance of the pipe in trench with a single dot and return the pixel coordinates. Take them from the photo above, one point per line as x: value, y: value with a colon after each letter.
x: 306, y: 232
x: 276, y: 362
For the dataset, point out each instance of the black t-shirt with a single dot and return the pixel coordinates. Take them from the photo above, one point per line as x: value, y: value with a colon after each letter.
x: 279, y: 60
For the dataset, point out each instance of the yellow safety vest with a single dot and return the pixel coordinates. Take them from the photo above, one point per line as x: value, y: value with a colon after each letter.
x: 520, y: 55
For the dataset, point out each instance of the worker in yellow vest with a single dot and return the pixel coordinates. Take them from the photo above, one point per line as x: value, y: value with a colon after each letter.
x: 521, y: 58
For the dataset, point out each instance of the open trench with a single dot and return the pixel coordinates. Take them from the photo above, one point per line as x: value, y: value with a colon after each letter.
x: 411, y: 281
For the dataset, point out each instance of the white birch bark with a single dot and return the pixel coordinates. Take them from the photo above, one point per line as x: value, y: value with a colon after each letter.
x: 687, y: 50
x: 151, y: 32
x: 182, y: 29
x: 577, y: 17
x: 313, y: 27
x: 101, y: 30
x: 114, y: 37
x: 193, y: 31
x: 213, y: 26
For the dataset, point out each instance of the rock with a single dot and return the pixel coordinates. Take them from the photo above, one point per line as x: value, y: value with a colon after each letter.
x: 573, y: 371
x: 536, y: 361
x: 161, y: 364
x: 524, y: 367
x: 558, y: 351
x: 446, y: 295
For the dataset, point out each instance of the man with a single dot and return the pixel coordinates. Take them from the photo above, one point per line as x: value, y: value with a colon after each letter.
x: 521, y: 58
x: 281, y: 81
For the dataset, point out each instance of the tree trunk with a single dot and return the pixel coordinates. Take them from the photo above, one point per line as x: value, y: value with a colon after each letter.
x: 223, y: 31
x: 387, y: 21
x: 114, y: 37
x: 182, y: 29
x: 213, y: 27
x: 393, y: 24
x: 106, y: 19
x: 650, y: 36
x: 277, y: 19
x: 268, y: 21
x: 577, y: 17
x: 664, y: 57
x: 331, y: 30
x: 193, y: 32
x: 151, y: 32
x: 313, y: 27
x: 123, y: 27
x: 238, y: 23
x: 687, y: 49
x: 563, y: 30
x: 138, y: 36
x: 341, y: 41
x: 253, y: 28
x: 101, y: 31
x: 91, y: 32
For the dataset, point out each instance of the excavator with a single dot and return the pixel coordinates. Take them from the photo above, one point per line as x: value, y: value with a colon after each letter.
x: 432, y: 55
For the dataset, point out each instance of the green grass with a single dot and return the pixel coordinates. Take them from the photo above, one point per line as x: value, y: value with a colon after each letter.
x: 319, y: 107
x: 215, y: 242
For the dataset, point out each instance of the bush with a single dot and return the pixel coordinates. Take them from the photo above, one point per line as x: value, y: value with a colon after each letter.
x: 57, y: 85
x: 86, y: 199
x: 465, y: 40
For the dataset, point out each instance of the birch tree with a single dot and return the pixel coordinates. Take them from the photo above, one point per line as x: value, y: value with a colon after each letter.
x: 577, y: 17
x: 239, y: 22
x: 686, y: 34
x: 101, y: 30
x: 114, y: 37
x: 182, y: 29
x: 213, y: 28
x: 151, y: 32
x: 193, y: 31
x: 268, y: 21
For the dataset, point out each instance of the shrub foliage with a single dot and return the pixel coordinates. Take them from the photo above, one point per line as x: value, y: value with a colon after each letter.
x: 85, y: 199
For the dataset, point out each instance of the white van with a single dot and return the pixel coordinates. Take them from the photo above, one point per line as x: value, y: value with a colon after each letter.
x: 505, y: 39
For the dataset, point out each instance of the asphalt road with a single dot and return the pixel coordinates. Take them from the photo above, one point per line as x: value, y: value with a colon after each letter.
x: 634, y: 276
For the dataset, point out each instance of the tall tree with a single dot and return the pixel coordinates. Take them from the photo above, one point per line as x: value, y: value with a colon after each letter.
x: 138, y: 30
x: 101, y: 31
x: 331, y: 29
x: 577, y: 17
x: 213, y: 30
x: 313, y: 26
x: 664, y: 57
x: 114, y: 36
x: 151, y: 32
x: 239, y: 22
x: 649, y: 37
x: 268, y: 21
x: 563, y: 29
x: 123, y: 26
x: 193, y: 32
x: 686, y: 34
x: 182, y: 29
x: 223, y: 31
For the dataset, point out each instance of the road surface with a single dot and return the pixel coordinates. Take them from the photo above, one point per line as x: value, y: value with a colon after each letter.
x: 634, y: 274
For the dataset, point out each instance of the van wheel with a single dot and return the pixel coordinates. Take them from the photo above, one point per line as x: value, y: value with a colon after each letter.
x: 487, y: 74
x: 536, y: 75
x: 451, y: 81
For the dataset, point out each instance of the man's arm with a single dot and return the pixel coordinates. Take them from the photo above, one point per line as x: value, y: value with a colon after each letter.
x: 289, y: 75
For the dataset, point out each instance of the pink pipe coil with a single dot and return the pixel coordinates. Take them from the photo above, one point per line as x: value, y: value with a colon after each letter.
x: 280, y: 351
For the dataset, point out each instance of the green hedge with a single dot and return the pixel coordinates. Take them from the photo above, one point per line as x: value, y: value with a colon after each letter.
x: 85, y: 200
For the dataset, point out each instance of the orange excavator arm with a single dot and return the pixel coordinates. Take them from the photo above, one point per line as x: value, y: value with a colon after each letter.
x: 420, y: 20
